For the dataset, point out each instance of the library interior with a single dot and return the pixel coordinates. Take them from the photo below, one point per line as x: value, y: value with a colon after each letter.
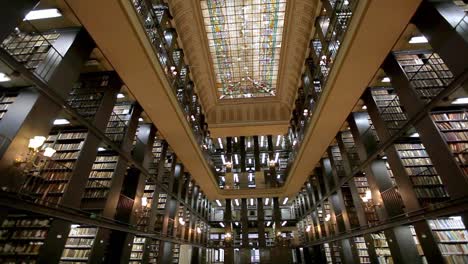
x: 234, y: 131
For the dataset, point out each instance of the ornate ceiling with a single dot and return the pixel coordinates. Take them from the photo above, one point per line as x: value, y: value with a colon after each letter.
x: 246, y: 59
x: 244, y: 39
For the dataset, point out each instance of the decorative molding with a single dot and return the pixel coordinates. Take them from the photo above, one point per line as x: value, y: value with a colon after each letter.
x: 300, y: 17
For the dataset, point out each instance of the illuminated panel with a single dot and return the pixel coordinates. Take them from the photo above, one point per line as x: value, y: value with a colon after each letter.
x: 244, y: 38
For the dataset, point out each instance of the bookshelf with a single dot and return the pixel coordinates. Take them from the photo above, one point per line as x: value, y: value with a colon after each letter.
x: 328, y: 253
x: 452, y: 238
x: 350, y: 208
x: 100, y: 177
x: 153, y: 251
x: 389, y: 107
x: 454, y: 127
x: 79, y: 244
x: 87, y: 94
x: 50, y: 181
x: 418, y: 245
x: 6, y: 99
x: 426, y: 71
x: 338, y: 161
x: 29, y: 48
x: 138, y: 247
x: 362, y: 186
x: 427, y: 183
x: 362, y: 251
x: 336, y: 253
x: 350, y: 147
x: 381, y: 248
x: 22, y: 236
x: 118, y: 122
x: 175, y: 253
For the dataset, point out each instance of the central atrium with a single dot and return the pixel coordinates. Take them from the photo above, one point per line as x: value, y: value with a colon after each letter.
x: 234, y: 131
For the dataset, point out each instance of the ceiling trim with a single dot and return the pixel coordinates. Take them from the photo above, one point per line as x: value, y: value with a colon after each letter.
x: 299, y: 20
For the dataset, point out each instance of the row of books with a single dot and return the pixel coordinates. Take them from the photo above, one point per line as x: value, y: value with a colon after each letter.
x: 458, y: 116
x: 64, y: 147
x: 67, y: 135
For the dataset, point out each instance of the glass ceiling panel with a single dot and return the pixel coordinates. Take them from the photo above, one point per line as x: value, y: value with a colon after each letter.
x: 245, y: 41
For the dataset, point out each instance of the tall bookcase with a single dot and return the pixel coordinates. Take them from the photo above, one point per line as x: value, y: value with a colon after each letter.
x: 427, y: 184
x: 382, y: 250
x: 453, y: 124
x: 79, y: 244
x: 362, y: 250
x: 21, y: 237
x: 452, y: 238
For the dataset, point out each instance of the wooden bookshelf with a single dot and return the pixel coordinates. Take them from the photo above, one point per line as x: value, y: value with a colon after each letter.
x: 118, y: 122
x: 454, y: 127
x: 426, y: 71
x: 389, y: 107
x: 79, y: 244
x: 100, y: 177
x: 362, y: 250
x: 427, y: 184
x: 360, y: 180
x: 452, y: 238
x: 29, y: 48
x: 381, y: 248
x: 22, y: 236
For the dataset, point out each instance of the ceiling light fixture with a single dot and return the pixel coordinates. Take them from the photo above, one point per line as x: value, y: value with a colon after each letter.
x: 4, y: 77
x: 43, y: 13
x: 418, y: 40
x: 285, y: 201
x: 61, y: 121
x: 120, y: 96
x: 385, y: 80
x: 460, y: 100
x: 218, y: 203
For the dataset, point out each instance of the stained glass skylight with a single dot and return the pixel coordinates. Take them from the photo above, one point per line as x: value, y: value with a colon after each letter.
x: 244, y: 38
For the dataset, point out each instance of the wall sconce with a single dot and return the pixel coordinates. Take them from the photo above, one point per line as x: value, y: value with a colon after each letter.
x: 308, y: 228
x: 144, y: 201
x: 367, y: 196
x: 199, y: 230
x: 36, y: 142
x: 228, y: 236
x: 229, y: 164
x: 272, y: 163
x: 327, y: 217
x: 49, y: 152
x: 182, y: 222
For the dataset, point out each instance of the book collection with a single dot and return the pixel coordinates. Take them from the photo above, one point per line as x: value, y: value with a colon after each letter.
x: 86, y: 100
x: 21, y: 237
x: 427, y: 73
x: 454, y: 126
x: 5, y: 101
x: 418, y: 165
x: 389, y: 107
x: 362, y: 186
x: 362, y: 250
x: 175, y: 253
x: 349, y: 205
x: 381, y: 248
x: 350, y: 147
x: 328, y: 253
x: 79, y: 244
x: 100, y: 177
x: 451, y: 236
x: 337, y: 161
x: 29, y: 48
x: 136, y: 255
x: 336, y: 253
x: 118, y: 122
